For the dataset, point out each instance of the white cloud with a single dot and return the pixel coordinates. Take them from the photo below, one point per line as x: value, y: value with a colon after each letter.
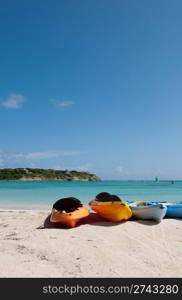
x: 61, y: 104
x: 13, y: 101
x: 41, y: 155
x: 84, y: 168
x: 119, y: 169
x: 9, y: 157
x: 47, y: 155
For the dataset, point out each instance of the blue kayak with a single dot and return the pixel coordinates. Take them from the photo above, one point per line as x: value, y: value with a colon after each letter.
x: 174, y: 210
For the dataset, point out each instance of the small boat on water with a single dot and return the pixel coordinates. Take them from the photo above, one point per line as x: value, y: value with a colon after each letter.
x: 156, y: 179
x: 147, y: 211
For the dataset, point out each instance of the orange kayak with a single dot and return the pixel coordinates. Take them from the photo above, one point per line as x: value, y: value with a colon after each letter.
x: 112, y: 211
x: 70, y: 219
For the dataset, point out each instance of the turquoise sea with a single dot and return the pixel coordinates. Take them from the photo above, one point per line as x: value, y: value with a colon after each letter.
x: 25, y: 195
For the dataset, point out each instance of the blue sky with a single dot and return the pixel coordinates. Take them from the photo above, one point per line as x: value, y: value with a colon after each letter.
x: 92, y: 85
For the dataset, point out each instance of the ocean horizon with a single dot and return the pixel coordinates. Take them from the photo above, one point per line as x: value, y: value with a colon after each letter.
x: 42, y: 194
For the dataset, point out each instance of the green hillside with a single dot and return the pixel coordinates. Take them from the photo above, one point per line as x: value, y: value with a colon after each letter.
x: 28, y: 174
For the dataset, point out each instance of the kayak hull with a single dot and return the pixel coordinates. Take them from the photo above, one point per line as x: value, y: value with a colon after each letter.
x: 114, y: 212
x: 154, y: 212
x: 174, y: 211
x: 69, y: 219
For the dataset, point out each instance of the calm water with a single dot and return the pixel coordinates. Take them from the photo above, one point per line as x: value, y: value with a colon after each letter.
x: 18, y: 194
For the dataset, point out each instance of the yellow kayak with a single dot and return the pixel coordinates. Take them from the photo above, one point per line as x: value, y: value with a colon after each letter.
x: 112, y: 211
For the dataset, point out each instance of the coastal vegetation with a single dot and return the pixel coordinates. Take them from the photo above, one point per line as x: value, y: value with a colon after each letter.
x: 35, y: 174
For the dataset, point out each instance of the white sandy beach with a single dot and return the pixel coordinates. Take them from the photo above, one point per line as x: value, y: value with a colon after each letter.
x: 32, y: 247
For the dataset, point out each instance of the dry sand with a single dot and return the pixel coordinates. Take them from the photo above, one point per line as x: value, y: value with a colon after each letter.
x: 32, y: 247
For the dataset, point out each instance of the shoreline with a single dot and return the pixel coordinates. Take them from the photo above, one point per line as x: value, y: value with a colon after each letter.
x: 48, y: 180
x: 102, y: 180
x: 33, y: 247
